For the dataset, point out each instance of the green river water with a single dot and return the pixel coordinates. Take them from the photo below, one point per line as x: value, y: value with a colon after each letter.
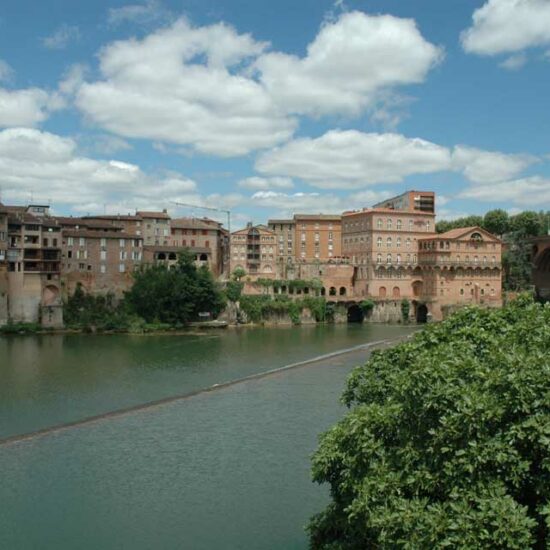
x: 227, y: 469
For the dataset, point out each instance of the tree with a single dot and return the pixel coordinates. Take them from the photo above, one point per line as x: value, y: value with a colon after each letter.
x: 527, y: 224
x: 238, y: 273
x: 447, y: 443
x: 496, y: 222
x: 175, y: 295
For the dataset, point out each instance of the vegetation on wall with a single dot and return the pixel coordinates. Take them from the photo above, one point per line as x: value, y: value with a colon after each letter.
x: 291, y: 285
x: 447, y: 441
x: 405, y: 309
x: 260, y: 308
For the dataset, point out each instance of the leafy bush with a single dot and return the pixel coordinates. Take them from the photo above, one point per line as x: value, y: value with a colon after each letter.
x: 20, y: 328
x: 447, y: 443
x: 175, y: 295
x: 86, y: 311
x: 366, y: 306
x: 233, y: 290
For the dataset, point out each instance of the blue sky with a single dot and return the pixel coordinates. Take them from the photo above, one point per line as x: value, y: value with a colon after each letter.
x: 269, y: 108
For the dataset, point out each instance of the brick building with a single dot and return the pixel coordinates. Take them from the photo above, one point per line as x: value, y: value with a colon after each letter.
x: 317, y: 237
x: 254, y: 249
x: 155, y: 227
x: 285, y: 231
x: 33, y: 258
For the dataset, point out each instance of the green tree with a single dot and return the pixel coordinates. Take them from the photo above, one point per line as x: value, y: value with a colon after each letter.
x: 447, y: 443
x: 527, y: 223
x: 496, y: 222
x: 175, y: 295
x: 238, y: 273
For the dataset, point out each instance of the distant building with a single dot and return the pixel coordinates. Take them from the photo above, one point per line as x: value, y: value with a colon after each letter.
x: 33, y: 258
x: 411, y: 201
x: 155, y: 227
x: 317, y: 237
x: 285, y: 231
x: 254, y: 249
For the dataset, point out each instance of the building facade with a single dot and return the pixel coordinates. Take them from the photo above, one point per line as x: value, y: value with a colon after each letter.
x: 254, y: 249
x: 317, y: 237
x: 285, y: 232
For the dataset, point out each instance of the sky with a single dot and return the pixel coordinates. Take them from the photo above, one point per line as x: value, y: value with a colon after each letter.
x: 269, y: 108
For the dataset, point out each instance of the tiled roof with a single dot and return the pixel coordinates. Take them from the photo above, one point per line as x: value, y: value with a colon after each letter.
x: 194, y: 223
x: 115, y: 217
x: 160, y: 215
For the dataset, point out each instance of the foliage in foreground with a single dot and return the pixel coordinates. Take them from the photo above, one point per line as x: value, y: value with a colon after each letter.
x: 447, y: 443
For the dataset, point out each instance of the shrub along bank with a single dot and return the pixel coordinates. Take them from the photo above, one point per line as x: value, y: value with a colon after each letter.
x: 447, y: 441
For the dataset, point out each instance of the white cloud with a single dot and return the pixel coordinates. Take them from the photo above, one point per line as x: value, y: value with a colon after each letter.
x: 148, y: 12
x: 348, y: 64
x: 504, y: 26
x: 48, y: 166
x: 61, y: 38
x: 218, y: 92
x: 487, y: 167
x: 352, y: 159
x: 23, y: 107
x: 265, y: 184
x: 514, y: 62
x: 531, y: 192
x: 6, y: 72
x: 177, y: 86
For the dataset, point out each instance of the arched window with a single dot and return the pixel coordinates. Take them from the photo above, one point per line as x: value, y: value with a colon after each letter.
x: 399, y: 258
x: 332, y: 291
x: 476, y: 260
x: 379, y: 242
x: 388, y: 259
x: 396, y: 292
x: 414, y: 258
x: 408, y: 258
x: 399, y: 224
x: 408, y: 243
x: 428, y: 226
x: 388, y: 242
x: 382, y: 292
x: 268, y: 269
x: 482, y: 292
x: 398, y: 242
x: 389, y: 223
x: 379, y: 259
x: 462, y: 292
x: 342, y: 291
x: 203, y: 258
x: 379, y: 223
x: 476, y: 237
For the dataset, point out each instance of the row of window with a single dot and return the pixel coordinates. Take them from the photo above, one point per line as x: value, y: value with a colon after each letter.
x: 82, y: 242
x: 389, y: 258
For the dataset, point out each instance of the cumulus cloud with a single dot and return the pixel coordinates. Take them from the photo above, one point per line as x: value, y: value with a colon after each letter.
x: 514, y: 62
x: 258, y: 183
x: 350, y: 61
x: 48, y: 166
x: 526, y: 192
x: 352, y: 159
x: 151, y: 11
x: 487, y: 167
x: 222, y: 93
x: 26, y: 107
x: 61, y: 38
x: 177, y: 86
x: 504, y: 26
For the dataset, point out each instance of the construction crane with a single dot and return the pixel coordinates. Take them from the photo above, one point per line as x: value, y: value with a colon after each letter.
x: 228, y: 212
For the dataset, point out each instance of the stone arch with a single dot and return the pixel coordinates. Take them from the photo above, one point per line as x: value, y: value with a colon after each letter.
x: 421, y: 313
x: 355, y: 314
x: 203, y: 258
x: 342, y: 291
x: 417, y: 287
x: 382, y: 292
x: 396, y: 292
x: 332, y: 291
x: 161, y: 256
x: 172, y: 256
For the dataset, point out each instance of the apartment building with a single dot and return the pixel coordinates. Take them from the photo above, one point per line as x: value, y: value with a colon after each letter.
x: 382, y: 244
x: 285, y: 231
x: 317, y: 237
x: 411, y: 201
x: 100, y: 261
x: 461, y: 266
x: 254, y: 249
x: 33, y: 258
x: 155, y: 228
x: 204, y: 237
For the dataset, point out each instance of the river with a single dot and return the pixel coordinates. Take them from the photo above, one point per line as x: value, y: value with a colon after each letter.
x: 228, y: 468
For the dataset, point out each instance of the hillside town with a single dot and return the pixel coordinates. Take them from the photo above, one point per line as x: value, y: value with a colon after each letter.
x: 385, y: 253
